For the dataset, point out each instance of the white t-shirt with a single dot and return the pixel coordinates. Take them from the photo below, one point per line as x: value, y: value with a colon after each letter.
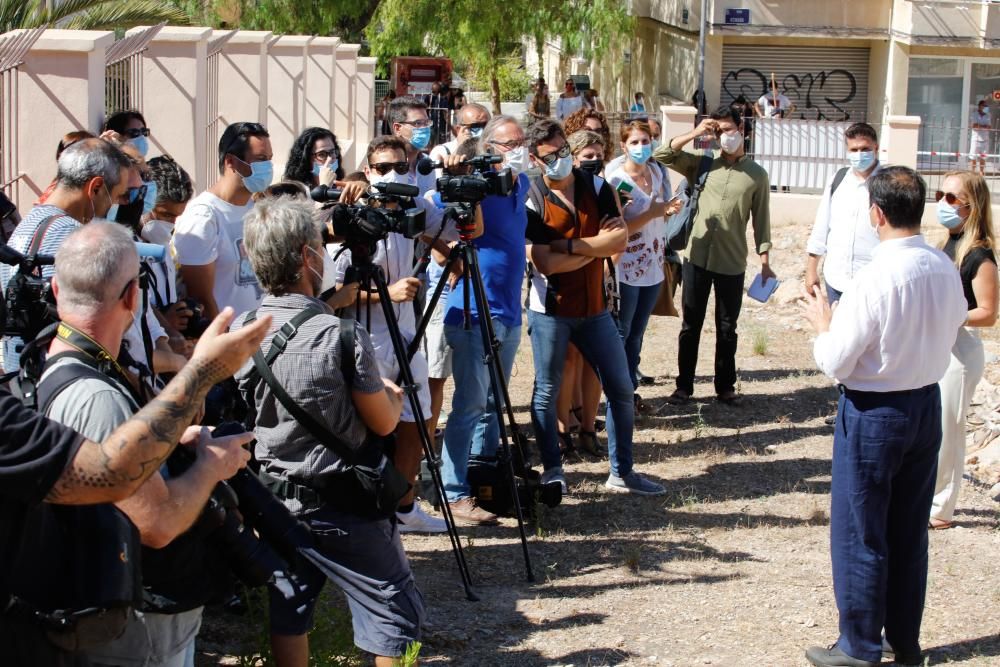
x: 441, y: 151
x: 980, y: 135
x: 211, y: 230
x: 641, y: 265
x: 766, y: 104
x: 567, y: 105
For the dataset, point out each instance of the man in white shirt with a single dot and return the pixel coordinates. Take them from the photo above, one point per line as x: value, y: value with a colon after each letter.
x: 208, y: 237
x: 980, y: 144
x: 472, y: 118
x: 842, y: 232
x: 888, y: 343
x: 774, y: 105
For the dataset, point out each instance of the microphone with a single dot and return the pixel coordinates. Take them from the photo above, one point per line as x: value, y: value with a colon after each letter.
x: 425, y: 165
x: 398, y: 189
x: 325, y: 193
x: 11, y: 257
x: 152, y: 251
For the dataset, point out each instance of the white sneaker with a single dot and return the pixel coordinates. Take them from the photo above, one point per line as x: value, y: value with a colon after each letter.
x: 418, y: 521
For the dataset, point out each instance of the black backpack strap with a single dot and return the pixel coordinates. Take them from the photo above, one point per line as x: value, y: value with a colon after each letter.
x: 39, y: 236
x: 59, y: 379
x: 838, y: 179
x: 262, y: 365
x: 347, y: 361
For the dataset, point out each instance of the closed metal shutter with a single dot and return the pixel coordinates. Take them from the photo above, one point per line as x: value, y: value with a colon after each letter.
x: 823, y: 82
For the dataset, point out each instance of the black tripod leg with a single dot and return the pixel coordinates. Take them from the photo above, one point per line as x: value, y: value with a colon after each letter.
x: 498, y: 385
x: 429, y: 307
x: 399, y: 347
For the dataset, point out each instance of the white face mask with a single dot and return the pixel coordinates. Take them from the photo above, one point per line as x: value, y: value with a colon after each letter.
x: 390, y: 177
x: 731, y: 142
x: 517, y: 160
x: 329, y: 277
x: 157, y: 231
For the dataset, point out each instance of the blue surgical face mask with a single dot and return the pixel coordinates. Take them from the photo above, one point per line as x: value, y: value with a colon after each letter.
x: 112, y: 213
x: 420, y: 138
x: 861, y: 161
x: 141, y: 144
x: 948, y: 215
x: 261, y: 175
x: 654, y: 144
x: 560, y: 169
x: 475, y: 132
x: 150, y: 200
x: 640, y: 154
x: 318, y: 167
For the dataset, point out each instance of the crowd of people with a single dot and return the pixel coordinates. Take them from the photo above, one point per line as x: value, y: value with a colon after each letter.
x: 141, y: 358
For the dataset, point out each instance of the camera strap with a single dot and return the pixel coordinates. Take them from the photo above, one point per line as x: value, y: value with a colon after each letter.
x: 94, y: 355
x: 262, y: 365
x: 39, y: 236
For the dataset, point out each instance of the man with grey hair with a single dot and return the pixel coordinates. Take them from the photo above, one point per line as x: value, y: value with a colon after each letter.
x: 96, y: 284
x: 472, y: 119
x: 362, y: 550
x: 473, y: 423
x: 91, y: 178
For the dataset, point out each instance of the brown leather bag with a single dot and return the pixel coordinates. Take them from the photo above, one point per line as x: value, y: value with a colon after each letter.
x: 665, y: 301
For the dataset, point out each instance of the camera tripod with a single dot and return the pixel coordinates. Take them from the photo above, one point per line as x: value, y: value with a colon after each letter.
x: 365, y: 273
x: 466, y: 252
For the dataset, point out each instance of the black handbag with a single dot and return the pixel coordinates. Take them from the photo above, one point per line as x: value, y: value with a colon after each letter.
x: 373, y: 486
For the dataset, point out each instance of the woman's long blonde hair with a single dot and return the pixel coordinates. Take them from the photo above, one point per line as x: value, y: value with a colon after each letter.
x: 978, y: 229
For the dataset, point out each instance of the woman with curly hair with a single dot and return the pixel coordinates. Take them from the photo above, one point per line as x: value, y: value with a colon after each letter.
x: 314, y: 158
x: 589, y: 119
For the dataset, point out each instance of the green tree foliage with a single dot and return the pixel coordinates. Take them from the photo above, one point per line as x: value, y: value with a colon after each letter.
x: 514, y: 81
x: 484, y: 34
x: 87, y: 14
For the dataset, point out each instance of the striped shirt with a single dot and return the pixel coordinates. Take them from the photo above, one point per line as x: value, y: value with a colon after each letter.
x: 309, y: 370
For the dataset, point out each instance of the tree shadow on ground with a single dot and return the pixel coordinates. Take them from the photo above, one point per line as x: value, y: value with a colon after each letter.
x: 980, y: 647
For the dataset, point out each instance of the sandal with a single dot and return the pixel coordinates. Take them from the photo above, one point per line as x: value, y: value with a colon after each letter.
x: 939, y: 524
x: 679, y: 397
x: 590, y: 444
x: 566, y: 444
x: 639, y: 405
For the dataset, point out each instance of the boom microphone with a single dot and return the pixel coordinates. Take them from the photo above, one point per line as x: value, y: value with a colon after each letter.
x: 397, y: 189
x: 425, y: 165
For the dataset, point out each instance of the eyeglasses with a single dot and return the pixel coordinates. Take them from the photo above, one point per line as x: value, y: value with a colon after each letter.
x: 551, y: 158
x: 323, y: 156
x: 426, y: 122
x: 949, y: 197
x: 508, y: 145
x: 127, y: 285
x: 383, y: 168
x: 136, y: 132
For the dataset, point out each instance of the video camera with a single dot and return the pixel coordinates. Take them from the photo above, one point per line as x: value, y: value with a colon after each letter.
x: 27, y: 304
x: 483, y: 182
x: 371, y: 222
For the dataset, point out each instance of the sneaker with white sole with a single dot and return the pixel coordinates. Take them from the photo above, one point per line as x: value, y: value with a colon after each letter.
x: 633, y: 482
x: 418, y: 521
x: 554, y: 475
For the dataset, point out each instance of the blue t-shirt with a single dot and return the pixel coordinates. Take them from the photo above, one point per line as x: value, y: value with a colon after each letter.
x: 501, y: 258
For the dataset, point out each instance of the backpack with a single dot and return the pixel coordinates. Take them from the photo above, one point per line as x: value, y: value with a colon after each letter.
x: 680, y: 225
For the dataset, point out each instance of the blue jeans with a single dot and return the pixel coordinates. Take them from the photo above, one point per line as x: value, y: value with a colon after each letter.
x: 885, y: 453
x: 474, y: 421
x: 832, y: 294
x: 598, y: 340
x: 637, y: 305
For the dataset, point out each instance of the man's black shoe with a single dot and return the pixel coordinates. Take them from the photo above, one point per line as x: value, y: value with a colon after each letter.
x: 889, y: 653
x: 834, y: 657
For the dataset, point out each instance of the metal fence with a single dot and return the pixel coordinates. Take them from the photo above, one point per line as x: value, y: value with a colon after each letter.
x: 123, y: 71
x: 945, y: 146
x: 213, y: 123
x: 12, y: 51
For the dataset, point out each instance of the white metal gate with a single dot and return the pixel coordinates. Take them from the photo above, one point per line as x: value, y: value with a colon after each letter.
x: 823, y: 82
x: 212, y: 125
x: 12, y: 51
x: 123, y: 71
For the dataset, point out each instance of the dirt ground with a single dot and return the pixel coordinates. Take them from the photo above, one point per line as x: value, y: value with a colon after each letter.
x: 731, y: 567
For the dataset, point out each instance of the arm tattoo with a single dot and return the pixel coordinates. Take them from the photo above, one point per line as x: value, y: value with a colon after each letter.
x: 113, y: 469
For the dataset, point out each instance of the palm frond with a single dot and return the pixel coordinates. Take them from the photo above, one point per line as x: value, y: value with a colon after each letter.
x: 16, y: 14
x: 124, y: 14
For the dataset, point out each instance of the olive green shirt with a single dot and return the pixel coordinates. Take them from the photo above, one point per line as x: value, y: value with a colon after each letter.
x: 733, y: 193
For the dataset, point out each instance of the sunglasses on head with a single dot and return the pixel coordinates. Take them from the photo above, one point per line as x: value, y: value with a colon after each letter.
x: 136, y: 132
x: 555, y: 155
x: 948, y: 197
x: 383, y: 168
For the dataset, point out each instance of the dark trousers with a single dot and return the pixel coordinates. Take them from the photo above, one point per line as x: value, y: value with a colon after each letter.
x: 697, y: 284
x: 832, y: 294
x: 885, y: 450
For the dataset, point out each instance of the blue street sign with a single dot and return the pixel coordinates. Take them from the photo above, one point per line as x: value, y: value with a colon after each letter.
x: 737, y: 16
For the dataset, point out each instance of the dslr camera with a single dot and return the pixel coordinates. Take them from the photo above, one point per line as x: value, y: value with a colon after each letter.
x: 481, y: 183
x: 373, y: 221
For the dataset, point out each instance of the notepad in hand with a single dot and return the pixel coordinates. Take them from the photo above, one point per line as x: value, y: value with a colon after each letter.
x: 760, y: 290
